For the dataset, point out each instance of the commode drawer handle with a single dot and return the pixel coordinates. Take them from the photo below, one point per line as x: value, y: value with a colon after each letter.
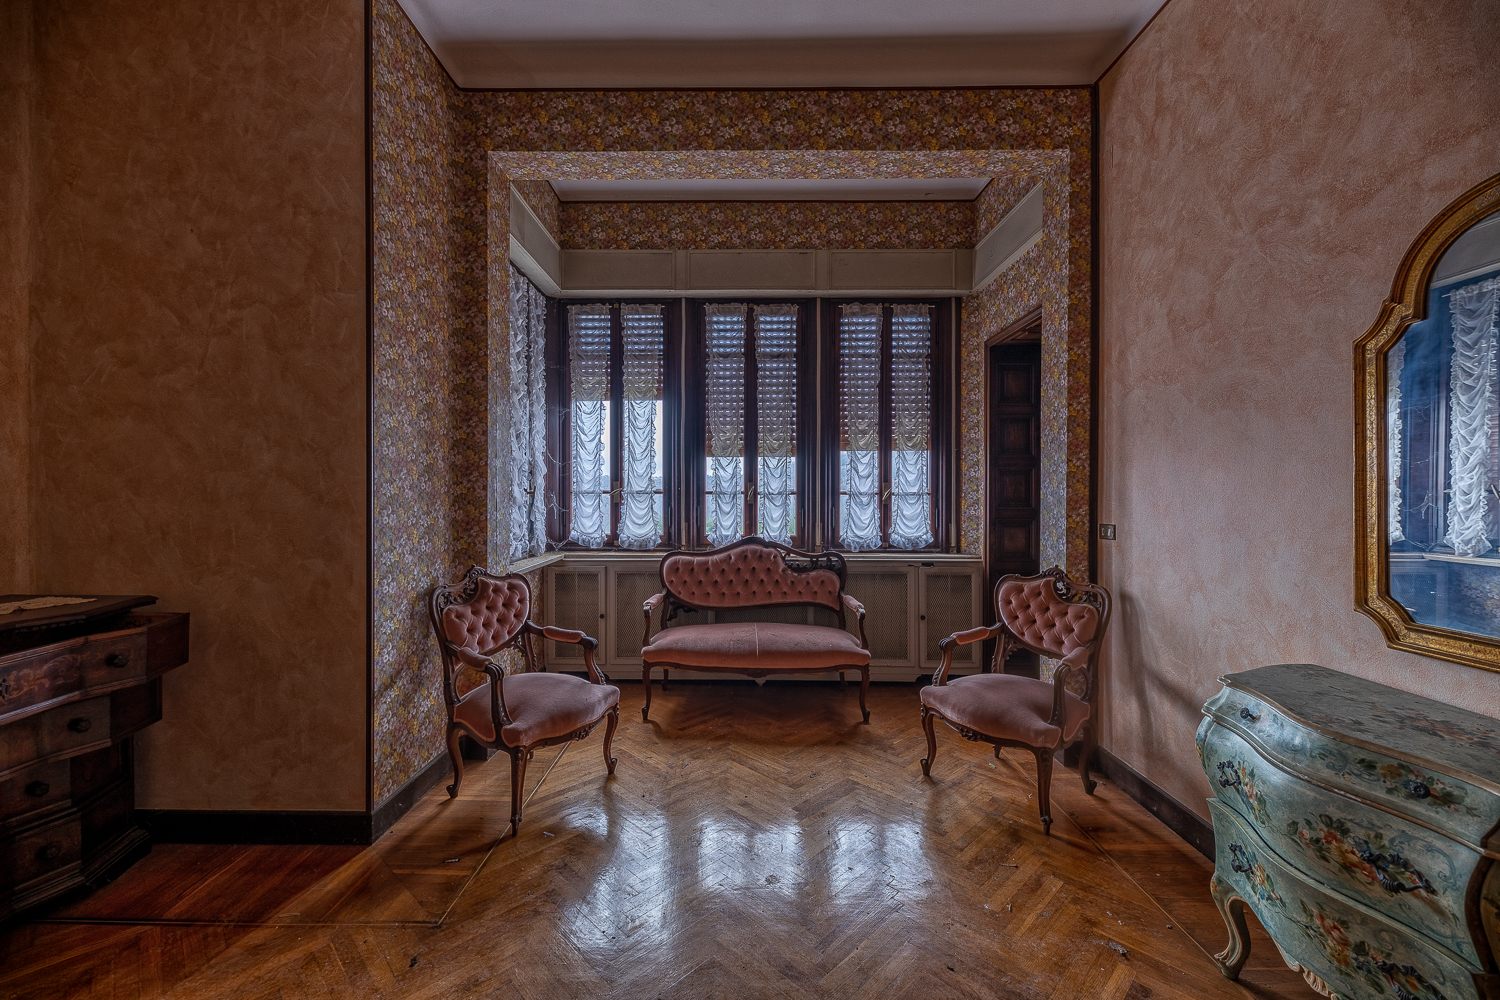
x: 117, y: 660
x: 1248, y: 715
x: 38, y: 789
x: 81, y: 725
x: 50, y: 853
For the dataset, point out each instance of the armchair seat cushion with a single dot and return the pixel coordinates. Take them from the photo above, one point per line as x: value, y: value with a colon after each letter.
x: 756, y: 646
x: 1006, y: 706
x: 541, y: 707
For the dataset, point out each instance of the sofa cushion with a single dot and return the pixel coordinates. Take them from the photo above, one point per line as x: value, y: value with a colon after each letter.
x: 541, y: 706
x: 1007, y: 706
x: 745, y: 576
x: 756, y: 646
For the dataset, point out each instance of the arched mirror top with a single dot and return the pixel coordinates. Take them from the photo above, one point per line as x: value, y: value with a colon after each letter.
x: 1427, y: 439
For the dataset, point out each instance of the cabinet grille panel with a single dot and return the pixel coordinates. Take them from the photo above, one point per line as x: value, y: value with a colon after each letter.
x: 631, y: 591
x: 786, y: 615
x: 575, y: 600
x: 950, y: 608
x: 887, y: 613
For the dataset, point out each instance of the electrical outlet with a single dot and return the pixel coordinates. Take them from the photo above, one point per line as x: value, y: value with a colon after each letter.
x: 1107, y: 532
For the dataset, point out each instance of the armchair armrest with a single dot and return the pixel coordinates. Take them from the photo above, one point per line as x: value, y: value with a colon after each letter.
x: 651, y: 604
x: 1078, y: 659
x: 950, y: 643
x: 588, y: 642
x: 853, y: 604
x: 472, y: 658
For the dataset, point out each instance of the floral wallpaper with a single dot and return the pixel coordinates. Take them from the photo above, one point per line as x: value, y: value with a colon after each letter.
x: 542, y: 200
x: 767, y: 225
x: 443, y: 163
x: 429, y: 381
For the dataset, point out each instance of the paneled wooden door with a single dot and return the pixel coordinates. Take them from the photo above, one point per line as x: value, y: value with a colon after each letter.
x: 1013, y: 535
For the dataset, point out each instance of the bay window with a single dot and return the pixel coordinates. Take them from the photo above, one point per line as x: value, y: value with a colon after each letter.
x: 811, y: 423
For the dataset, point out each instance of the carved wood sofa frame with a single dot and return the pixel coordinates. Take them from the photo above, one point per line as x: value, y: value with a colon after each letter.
x: 789, y: 561
x: 457, y: 658
x: 1081, y: 662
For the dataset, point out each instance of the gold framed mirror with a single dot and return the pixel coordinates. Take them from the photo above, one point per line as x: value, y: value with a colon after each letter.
x: 1427, y: 443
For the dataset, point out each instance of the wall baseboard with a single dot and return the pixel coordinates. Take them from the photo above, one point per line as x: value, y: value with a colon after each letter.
x: 287, y: 826
x: 400, y: 802
x: 246, y: 826
x: 1181, y: 820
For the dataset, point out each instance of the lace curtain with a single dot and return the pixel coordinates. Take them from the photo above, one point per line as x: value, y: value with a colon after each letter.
x: 588, y: 367
x: 528, y: 401
x: 1471, y: 406
x: 911, y: 420
x: 776, y: 420
x: 724, y: 401
x: 859, y: 430
x: 1395, y: 362
x: 644, y: 341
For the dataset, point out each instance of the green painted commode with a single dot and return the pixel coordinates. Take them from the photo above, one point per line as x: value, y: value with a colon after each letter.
x: 1358, y: 823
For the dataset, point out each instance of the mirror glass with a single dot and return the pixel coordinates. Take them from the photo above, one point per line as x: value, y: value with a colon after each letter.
x: 1442, y: 491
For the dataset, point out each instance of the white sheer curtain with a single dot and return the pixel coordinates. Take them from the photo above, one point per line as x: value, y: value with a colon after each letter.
x: 911, y: 423
x: 724, y: 401
x: 644, y: 342
x: 528, y: 441
x: 776, y: 420
x: 588, y: 369
x: 859, y: 415
x: 1470, y: 407
x: 1395, y: 362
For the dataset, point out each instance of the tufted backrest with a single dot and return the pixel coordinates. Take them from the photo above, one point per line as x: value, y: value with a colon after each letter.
x: 492, y: 618
x: 745, y: 576
x: 1036, y: 614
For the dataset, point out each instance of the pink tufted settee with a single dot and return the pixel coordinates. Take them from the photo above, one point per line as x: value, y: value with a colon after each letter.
x: 753, y: 573
x: 1048, y: 614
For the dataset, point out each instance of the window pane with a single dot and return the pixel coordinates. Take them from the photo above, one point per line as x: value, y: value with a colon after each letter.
x: 911, y: 423
x: 859, y: 426
x: 724, y: 403
x: 644, y: 336
x: 776, y: 420
x: 588, y: 368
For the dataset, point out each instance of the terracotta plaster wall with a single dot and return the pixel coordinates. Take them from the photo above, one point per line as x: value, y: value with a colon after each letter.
x: 198, y: 314
x: 15, y: 279
x: 1264, y: 167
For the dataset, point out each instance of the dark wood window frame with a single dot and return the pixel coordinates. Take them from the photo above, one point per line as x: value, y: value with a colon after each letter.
x: 684, y: 418
x: 560, y: 422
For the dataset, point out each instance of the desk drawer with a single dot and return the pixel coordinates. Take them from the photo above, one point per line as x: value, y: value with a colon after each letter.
x: 40, y: 675
x: 35, y: 788
x: 40, y: 851
x: 68, y: 727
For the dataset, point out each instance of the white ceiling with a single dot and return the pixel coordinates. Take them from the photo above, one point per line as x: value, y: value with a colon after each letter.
x: 904, y: 189
x: 776, y: 43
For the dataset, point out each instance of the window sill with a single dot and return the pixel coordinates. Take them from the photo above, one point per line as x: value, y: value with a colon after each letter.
x: 533, y: 563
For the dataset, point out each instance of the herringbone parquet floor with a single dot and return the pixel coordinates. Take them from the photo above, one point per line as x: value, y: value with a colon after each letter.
x: 756, y: 842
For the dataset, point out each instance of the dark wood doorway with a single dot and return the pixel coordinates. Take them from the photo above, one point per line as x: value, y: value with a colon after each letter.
x: 1014, y: 517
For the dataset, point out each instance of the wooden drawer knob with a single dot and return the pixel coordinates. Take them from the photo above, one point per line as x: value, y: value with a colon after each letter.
x: 50, y: 853
x: 38, y: 789
x: 81, y: 725
x: 117, y: 660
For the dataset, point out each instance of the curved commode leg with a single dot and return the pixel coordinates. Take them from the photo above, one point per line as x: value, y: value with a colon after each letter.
x: 1232, y: 908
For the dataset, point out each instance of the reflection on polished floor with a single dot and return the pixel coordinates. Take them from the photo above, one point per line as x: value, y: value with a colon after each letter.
x: 755, y: 842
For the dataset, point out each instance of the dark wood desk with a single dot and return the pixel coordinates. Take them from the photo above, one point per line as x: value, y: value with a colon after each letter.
x: 76, y: 683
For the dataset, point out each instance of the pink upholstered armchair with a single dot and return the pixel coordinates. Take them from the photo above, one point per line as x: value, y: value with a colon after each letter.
x: 480, y: 617
x: 1047, y: 614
